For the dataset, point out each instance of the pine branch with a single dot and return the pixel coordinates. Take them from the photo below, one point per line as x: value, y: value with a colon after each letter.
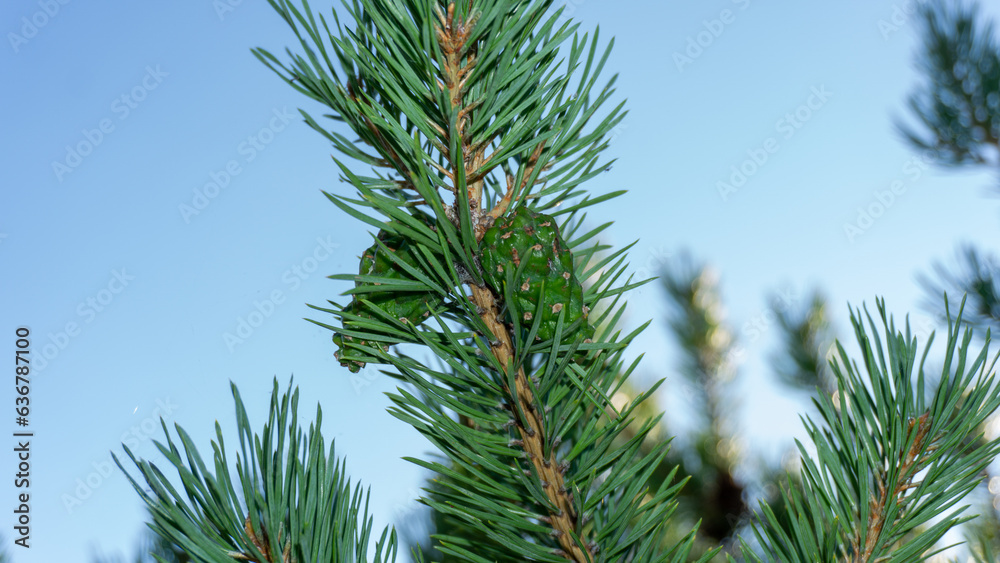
x: 976, y: 275
x: 958, y: 107
x: 471, y: 104
x: 563, y: 517
x: 452, y: 37
x: 480, y: 128
x: 294, y: 504
x: 715, y: 495
x: 890, y: 457
x: 807, y: 334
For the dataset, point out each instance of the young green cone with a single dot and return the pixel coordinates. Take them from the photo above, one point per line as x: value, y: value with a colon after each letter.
x: 526, y: 247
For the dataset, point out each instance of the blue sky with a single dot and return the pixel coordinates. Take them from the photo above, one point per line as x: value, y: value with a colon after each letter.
x: 119, y: 116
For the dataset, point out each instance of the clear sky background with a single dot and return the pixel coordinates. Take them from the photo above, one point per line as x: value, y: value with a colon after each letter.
x: 131, y: 299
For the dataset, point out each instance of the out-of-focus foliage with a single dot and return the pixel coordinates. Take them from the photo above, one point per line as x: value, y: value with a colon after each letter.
x: 696, y: 320
x: 975, y: 273
x: 807, y: 336
x: 957, y: 111
x: 958, y: 104
x: 153, y: 549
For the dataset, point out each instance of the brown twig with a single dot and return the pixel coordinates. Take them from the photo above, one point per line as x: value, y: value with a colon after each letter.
x: 503, y: 204
x: 909, y: 467
x: 452, y: 34
x: 562, y: 514
x: 263, y: 545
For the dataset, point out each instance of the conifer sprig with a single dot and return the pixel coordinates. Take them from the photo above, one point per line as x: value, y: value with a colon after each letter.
x: 958, y: 106
x: 474, y: 110
x: 289, y: 500
x: 480, y: 120
x: 892, y: 453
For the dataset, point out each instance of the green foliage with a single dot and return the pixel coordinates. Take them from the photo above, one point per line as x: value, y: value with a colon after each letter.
x: 958, y: 106
x: 289, y: 500
x: 387, y: 259
x: 983, y: 539
x: 975, y: 273
x: 891, y: 456
x: 806, y: 335
x: 523, y: 254
x: 480, y: 121
x: 449, y: 524
x: 714, y: 495
x: 725, y: 477
x: 470, y: 112
x: 708, y: 351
